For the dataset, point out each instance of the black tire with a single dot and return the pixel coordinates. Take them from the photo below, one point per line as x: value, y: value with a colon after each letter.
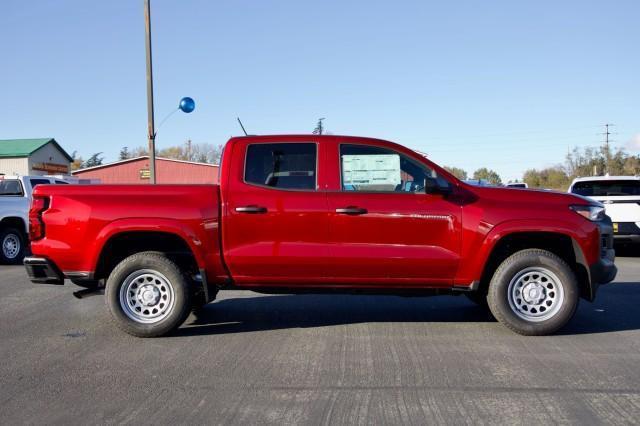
x: 12, y: 246
x: 557, y: 297
x: 148, y: 274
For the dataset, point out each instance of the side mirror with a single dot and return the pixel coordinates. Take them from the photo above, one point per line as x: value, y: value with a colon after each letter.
x: 433, y: 186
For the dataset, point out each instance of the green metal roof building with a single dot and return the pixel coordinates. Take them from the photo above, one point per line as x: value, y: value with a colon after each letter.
x: 33, y: 157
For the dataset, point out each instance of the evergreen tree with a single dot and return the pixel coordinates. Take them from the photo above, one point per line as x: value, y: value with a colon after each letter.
x: 95, y: 160
x: 124, y: 153
x: 319, y: 127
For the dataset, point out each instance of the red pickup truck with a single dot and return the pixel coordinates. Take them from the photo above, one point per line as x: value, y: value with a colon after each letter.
x: 306, y: 213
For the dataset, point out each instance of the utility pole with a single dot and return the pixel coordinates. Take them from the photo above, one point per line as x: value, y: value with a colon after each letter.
x: 606, y: 145
x: 150, y: 123
x: 607, y: 133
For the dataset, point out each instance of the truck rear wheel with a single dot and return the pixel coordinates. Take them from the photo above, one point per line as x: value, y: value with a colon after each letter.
x: 13, y: 246
x: 533, y: 292
x: 148, y: 295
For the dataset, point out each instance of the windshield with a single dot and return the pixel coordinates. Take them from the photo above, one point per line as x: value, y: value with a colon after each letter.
x: 10, y: 187
x: 602, y: 188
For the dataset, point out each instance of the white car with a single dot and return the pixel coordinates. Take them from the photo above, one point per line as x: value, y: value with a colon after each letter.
x: 621, y: 198
x: 15, y: 199
x: 517, y: 185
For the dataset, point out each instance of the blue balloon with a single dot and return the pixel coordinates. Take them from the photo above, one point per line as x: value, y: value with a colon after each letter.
x: 187, y: 105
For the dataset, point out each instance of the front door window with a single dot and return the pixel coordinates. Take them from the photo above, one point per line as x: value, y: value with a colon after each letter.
x: 367, y: 168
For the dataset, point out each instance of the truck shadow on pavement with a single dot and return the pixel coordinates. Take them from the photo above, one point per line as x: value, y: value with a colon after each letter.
x: 615, y: 309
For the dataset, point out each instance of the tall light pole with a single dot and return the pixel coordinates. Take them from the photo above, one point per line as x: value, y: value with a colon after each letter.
x: 150, y: 123
x: 186, y: 104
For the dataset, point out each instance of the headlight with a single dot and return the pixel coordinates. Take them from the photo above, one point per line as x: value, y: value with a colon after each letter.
x: 592, y: 213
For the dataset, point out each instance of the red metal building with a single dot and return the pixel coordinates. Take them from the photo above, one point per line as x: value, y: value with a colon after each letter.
x: 136, y: 170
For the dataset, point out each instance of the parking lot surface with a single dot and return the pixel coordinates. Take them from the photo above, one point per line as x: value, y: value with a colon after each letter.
x: 252, y: 358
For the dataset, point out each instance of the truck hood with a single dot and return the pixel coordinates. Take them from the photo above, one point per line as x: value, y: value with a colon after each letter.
x: 537, y: 198
x: 538, y: 209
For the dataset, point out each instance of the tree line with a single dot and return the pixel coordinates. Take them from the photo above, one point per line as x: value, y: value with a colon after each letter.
x: 577, y: 163
x: 482, y: 173
x: 188, y: 151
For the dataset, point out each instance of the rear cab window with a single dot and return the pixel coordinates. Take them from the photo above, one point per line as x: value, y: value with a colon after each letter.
x: 36, y: 182
x: 288, y: 166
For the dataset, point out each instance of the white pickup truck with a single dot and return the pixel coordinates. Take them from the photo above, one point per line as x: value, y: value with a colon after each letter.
x: 621, y: 198
x: 15, y: 199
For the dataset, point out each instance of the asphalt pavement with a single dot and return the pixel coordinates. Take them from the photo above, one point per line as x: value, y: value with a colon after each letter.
x: 317, y: 359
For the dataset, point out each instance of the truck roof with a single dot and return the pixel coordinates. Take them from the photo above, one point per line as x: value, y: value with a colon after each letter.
x: 600, y: 178
x: 298, y: 137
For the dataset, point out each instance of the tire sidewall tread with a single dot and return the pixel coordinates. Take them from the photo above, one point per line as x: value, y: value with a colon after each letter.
x: 499, y: 287
x: 180, y: 283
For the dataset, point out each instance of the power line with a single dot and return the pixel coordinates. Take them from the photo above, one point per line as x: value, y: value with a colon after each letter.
x: 578, y: 141
x: 510, y: 144
x: 554, y: 131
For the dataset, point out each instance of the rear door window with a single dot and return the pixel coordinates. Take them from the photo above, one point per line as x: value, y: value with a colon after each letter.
x: 36, y: 182
x: 282, y: 165
x: 11, y: 187
x: 602, y: 188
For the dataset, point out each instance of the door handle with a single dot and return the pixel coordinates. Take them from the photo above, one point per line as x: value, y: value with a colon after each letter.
x: 351, y: 210
x: 251, y: 209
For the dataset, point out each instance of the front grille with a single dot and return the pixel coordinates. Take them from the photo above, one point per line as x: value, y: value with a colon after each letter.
x: 621, y: 202
x: 627, y: 228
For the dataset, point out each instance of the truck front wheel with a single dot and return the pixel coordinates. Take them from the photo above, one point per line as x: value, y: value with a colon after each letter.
x: 148, y: 295
x: 533, y: 292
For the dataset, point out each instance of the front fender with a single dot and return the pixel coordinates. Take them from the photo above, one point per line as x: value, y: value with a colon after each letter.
x: 476, y: 254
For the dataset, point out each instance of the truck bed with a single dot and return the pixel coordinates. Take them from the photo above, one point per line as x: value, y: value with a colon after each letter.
x: 81, y: 221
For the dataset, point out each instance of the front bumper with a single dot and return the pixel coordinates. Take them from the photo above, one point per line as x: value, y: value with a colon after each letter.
x: 604, y: 270
x: 43, y: 271
x: 635, y: 239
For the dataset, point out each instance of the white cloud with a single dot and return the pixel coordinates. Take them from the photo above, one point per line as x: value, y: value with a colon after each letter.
x: 634, y: 142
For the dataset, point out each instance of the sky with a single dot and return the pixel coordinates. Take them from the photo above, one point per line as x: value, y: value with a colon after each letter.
x: 508, y: 85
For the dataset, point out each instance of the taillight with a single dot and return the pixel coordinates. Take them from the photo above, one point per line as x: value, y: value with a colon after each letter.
x: 36, y: 225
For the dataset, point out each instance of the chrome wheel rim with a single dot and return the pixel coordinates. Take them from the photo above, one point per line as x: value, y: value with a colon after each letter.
x: 146, y: 296
x: 535, y: 294
x: 11, y: 246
